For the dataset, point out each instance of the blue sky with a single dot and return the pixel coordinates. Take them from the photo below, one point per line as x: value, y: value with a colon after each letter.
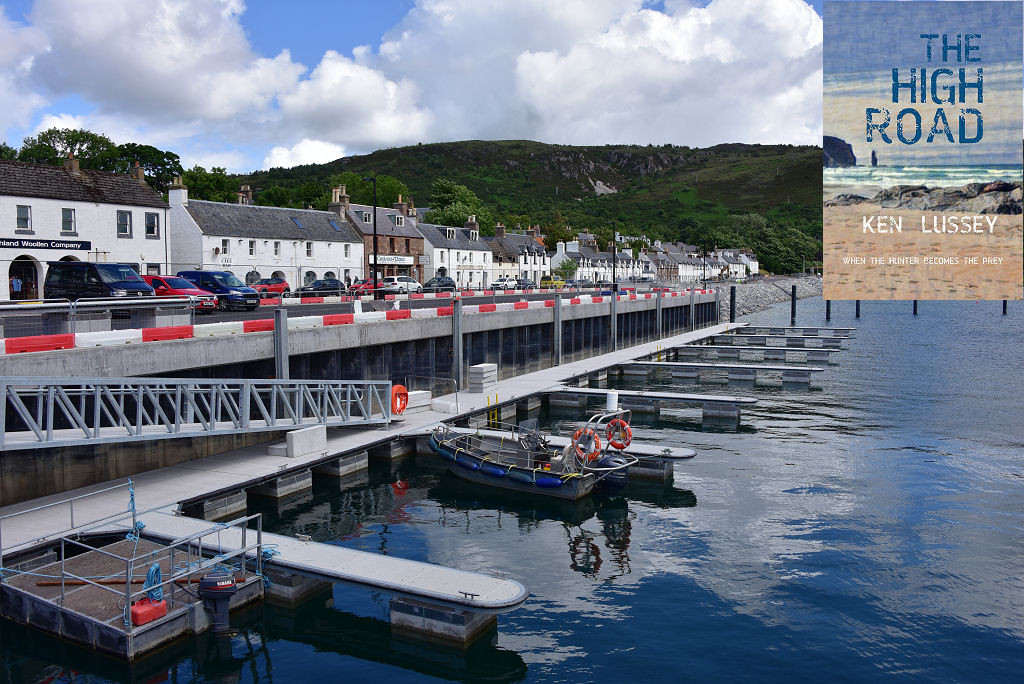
x: 249, y: 85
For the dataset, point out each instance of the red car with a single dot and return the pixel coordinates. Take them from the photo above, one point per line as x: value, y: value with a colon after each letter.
x: 364, y: 286
x: 268, y: 286
x: 173, y: 286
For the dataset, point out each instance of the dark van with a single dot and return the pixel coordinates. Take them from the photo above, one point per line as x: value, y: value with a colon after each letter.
x: 231, y: 292
x: 81, y: 279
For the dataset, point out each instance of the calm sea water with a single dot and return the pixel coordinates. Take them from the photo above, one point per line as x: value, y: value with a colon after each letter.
x: 868, y: 529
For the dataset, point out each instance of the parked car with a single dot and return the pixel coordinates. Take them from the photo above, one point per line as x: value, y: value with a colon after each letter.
x: 231, y: 292
x: 574, y: 284
x: 505, y: 283
x: 440, y: 284
x: 549, y: 281
x: 325, y: 286
x: 586, y: 283
x: 173, y: 286
x: 80, y: 279
x: 400, y: 285
x: 271, y: 286
x: 526, y: 284
x: 364, y: 286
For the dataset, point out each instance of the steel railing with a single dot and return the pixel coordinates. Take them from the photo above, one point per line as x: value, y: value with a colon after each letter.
x: 37, y: 412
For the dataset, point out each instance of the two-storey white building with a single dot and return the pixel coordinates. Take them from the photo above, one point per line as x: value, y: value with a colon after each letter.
x: 254, y: 242
x: 457, y: 252
x: 65, y: 213
x: 518, y: 255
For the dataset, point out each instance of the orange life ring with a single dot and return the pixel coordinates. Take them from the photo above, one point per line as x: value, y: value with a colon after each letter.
x: 619, y: 434
x: 579, y: 451
x: 399, y: 399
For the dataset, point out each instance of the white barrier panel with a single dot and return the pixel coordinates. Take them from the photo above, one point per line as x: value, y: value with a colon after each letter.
x: 424, y: 313
x: 586, y: 299
x: 366, y: 298
x: 303, y: 322
x: 566, y: 302
x: 333, y: 299
x: 103, y: 338
x: 538, y: 304
x: 471, y: 309
x: 504, y: 306
x: 217, y: 329
x: 370, y: 316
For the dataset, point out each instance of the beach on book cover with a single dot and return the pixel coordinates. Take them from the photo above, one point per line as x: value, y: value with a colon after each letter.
x: 922, y: 150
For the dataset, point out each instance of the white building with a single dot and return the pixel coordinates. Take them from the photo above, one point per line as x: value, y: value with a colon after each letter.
x: 64, y: 213
x: 457, y: 252
x: 253, y: 242
x: 518, y: 255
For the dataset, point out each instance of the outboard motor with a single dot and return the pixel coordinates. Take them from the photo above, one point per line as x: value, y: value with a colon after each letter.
x: 216, y: 590
x: 615, y: 481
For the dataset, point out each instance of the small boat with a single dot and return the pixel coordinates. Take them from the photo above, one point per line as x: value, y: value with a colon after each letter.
x: 525, y: 462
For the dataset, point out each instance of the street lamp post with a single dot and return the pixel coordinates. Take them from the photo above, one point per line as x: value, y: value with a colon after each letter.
x: 373, y: 179
x: 615, y: 260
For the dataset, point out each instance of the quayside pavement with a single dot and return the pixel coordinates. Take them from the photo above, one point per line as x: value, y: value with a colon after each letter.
x: 238, y: 469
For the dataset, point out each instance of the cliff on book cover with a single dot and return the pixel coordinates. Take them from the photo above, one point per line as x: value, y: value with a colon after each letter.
x: 922, y: 150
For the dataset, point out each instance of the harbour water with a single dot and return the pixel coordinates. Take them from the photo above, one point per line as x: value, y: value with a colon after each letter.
x: 867, y: 528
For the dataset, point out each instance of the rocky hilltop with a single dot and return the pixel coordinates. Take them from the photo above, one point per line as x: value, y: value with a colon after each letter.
x: 973, y: 198
x: 836, y: 152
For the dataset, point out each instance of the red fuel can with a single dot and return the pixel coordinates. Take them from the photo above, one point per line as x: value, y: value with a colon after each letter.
x: 146, y: 611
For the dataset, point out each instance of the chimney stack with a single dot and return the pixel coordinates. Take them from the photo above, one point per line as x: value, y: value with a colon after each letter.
x: 471, y: 223
x: 245, y: 194
x: 412, y: 209
x: 402, y: 207
x: 531, y: 232
x: 499, y: 230
x: 336, y: 204
x: 138, y: 174
x: 71, y: 164
x: 343, y: 198
x: 177, y: 193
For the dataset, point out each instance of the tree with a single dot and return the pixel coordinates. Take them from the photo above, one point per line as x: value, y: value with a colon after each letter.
x: 275, y: 196
x: 452, y: 204
x: 7, y: 152
x: 53, y: 146
x: 567, y: 269
x: 160, y: 167
x: 213, y: 185
x: 389, y: 188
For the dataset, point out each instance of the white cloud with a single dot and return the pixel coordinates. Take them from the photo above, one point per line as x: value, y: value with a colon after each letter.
x: 305, y: 151
x: 18, y: 47
x: 59, y: 121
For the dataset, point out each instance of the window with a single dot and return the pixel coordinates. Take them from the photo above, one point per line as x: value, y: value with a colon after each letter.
x: 309, y: 249
x: 334, y: 224
x: 277, y: 248
x: 442, y: 257
x: 399, y: 220
x: 297, y: 222
x: 407, y: 246
x: 252, y: 248
x: 225, y: 244
x: 124, y: 224
x: 366, y: 217
x: 67, y: 222
x: 348, y: 250
x: 153, y: 269
x: 391, y: 244
x: 152, y: 226
x: 24, y: 219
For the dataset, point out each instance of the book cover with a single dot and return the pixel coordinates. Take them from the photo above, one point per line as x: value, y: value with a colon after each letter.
x: 922, y: 150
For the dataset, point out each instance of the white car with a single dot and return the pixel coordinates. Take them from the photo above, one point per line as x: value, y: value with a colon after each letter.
x: 400, y: 285
x: 505, y: 284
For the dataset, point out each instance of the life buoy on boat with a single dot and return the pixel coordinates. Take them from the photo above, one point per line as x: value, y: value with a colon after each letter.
x: 584, y: 455
x: 399, y: 399
x: 619, y: 434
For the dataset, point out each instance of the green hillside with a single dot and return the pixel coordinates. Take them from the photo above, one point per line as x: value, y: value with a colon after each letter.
x: 764, y: 197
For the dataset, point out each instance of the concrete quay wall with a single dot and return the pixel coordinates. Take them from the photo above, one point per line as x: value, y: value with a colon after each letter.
x: 758, y: 296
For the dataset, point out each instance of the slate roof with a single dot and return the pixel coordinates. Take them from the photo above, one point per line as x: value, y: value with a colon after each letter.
x: 437, y: 237
x: 253, y: 221
x: 513, y: 245
x: 21, y: 179
x: 386, y: 222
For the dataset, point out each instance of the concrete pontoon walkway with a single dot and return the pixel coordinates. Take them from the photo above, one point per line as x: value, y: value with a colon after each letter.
x: 242, y: 468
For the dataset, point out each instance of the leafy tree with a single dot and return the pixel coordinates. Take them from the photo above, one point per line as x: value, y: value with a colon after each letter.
x: 567, y: 269
x: 359, y: 191
x: 159, y: 166
x: 53, y: 146
x: 7, y: 152
x: 213, y: 185
x: 452, y: 204
x: 275, y: 196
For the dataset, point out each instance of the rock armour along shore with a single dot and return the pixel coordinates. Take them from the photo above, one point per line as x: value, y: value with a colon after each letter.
x: 754, y: 297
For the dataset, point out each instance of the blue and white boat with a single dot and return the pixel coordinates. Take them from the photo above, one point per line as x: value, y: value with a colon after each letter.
x: 521, y: 459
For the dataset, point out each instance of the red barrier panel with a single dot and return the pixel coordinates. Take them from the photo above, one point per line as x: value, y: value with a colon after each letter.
x: 170, y: 332
x: 339, y: 319
x: 597, y: 300
x: 261, y: 325
x: 398, y: 315
x: 468, y: 293
x: 521, y: 305
x: 487, y: 308
x: 445, y: 310
x: 312, y: 300
x: 549, y: 302
x: 389, y: 298
x: 488, y: 293
x: 415, y: 295
x: 574, y: 300
x: 269, y: 302
x: 16, y: 345
x: 632, y: 297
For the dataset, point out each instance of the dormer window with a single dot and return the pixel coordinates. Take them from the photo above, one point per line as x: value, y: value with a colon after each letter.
x: 366, y: 217
x: 399, y: 220
x: 474, y: 235
x: 449, y: 233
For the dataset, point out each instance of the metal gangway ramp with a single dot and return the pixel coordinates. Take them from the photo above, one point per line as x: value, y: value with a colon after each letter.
x: 55, y: 412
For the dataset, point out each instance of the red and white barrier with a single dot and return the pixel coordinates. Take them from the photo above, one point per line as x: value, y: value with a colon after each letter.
x: 106, y: 338
x: 217, y: 329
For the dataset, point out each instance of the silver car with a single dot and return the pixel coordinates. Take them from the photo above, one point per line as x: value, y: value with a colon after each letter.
x: 400, y: 285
